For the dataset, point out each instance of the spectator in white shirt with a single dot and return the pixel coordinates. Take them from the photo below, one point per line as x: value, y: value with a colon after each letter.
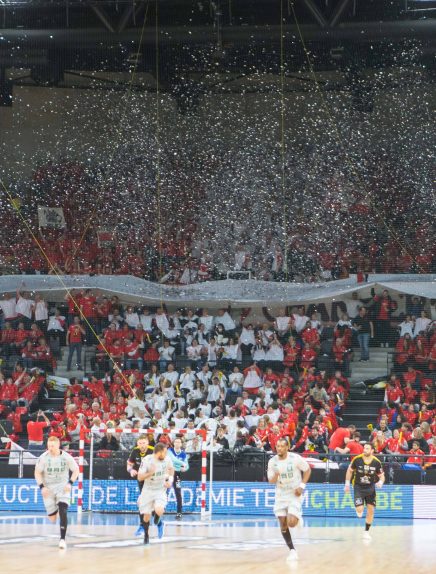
x: 226, y: 320
x: 132, y: 317
x: 212, y: 352
x: 265, y: 334
x: 229, y: 355
x: 300, y: 319
x: 283, y: 324
x: 353, y: 305
x: 24, y: 309
x: 187, y: 381
x: 194, y: 352
x: 8, y: 306
x: 422, y: 323
x: 253, y: 418
x: 215, y: 392
x: 146, y: 320
x: 166, y: 354
x: 171, y: 375
x: 206, y: 320
x: 204, y: 376
x: 41, y: 313
x: 274, y: 355
x: 179, y: 420
x: 201, y: 336
x: 236, y: 382
x: 407, y: 326
x: 161, y: 319
x: 252, y: 380
x: 247, y: 341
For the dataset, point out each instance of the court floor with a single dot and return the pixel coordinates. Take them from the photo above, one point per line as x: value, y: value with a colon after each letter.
x: 226, y: 545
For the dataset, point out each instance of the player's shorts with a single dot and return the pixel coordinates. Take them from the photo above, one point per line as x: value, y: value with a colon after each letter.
x: 289, y: 504
x: 149, y: 499
x: 364, y: 495
x: 57, y: 494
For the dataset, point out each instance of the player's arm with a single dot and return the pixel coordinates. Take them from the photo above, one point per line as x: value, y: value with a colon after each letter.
x: 349, y: 476
x: 74, y: 469
x: 381, y: 477
x: 305, y: 468
x: 129, y: 466
x: 40, y: 481
x: 272, y: 473
x: 145, y: 474
x: 170, y: 476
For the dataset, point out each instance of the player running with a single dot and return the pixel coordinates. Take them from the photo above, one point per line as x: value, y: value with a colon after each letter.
x: 367, y: 474
x: 290, y: 473
x: 52, y: 474
x: 157, y: 473
x: 138, y: 453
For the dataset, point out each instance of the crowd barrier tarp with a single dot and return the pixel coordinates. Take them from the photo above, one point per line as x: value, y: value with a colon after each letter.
x: 242, y: 498
x: 217, y: 293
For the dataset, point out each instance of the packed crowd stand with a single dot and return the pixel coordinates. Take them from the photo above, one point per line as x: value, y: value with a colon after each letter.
x: 247, y: 384
x: 188, y: 247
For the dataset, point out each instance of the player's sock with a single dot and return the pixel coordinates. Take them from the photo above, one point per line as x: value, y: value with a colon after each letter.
x: 157, y: 519
x: 288, y: 538
x: 146, y: 526
x: 63, y: 509
x: 367, y: 526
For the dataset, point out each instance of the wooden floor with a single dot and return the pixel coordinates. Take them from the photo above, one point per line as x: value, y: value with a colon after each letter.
x: 106, y: 544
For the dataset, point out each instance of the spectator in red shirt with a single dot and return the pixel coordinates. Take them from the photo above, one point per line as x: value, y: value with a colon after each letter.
x: 35, y: 429
x: 404, y: 352
x: 384, y: 306
x: 9, y: 393
x: 416, y: 454
x: 353, y: 446
x: 88, y: 306
x: 75, y: 335
x: 341, y: 437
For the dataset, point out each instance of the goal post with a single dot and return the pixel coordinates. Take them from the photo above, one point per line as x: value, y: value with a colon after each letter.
x: 203, y: 434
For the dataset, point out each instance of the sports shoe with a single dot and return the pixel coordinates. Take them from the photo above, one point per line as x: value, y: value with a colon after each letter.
x: 139, y: 531
x: 146, y: 540
x: 292, y: 556
x: 179, y: 516
x: 160, y: 528
x: 366, y: 535
x: 62, y: 544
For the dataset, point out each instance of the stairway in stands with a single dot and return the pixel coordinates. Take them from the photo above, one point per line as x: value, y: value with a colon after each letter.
x: 61, y: 367
x: 363, y: 406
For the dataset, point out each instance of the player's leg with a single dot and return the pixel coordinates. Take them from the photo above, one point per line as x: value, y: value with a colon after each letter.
x: 62, y: 502
x: 63, y: 520
x: 145, y: 504
x: 177, y: 485
x: 145, y: 519
x: 370, y: 508
x: 51, y: 506
x: 284, y: 529
x: 53, y: 516
x: 140, y: 529
x: 358, y: 502
x: 159, y: 509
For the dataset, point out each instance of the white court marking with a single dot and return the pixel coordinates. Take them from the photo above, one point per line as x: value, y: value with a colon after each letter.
x: 139, y: 542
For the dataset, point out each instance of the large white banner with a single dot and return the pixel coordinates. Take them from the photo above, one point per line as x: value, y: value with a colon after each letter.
x: 51, y: 217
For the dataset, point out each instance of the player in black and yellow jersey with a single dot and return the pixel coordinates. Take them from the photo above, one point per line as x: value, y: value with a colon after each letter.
x: 142, y: 448
x: 367, y: 473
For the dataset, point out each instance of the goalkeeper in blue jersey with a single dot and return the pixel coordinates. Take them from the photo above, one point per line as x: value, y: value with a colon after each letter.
x: 179, y: 458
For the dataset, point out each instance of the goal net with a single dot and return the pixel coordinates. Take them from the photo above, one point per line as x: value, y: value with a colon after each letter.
x: 109, y: 488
